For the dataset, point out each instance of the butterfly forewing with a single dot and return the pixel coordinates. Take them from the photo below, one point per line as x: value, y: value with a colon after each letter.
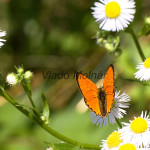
x: 90, y: 93
x: 108, y: 86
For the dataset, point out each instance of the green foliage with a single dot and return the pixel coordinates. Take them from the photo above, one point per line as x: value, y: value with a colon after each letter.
x: 110, y: 41
x: 46, y: 111
x: 145, y: 30
x: 64, y: 146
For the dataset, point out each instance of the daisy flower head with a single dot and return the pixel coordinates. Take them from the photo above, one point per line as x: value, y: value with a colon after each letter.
x: 117, y: 111
x: 114, y: 15
x: 137, y: 131
x: 12, y: 79
x: 143, y: 72
x: 113, y: 141
x: 129, y: 146
x: 2, y: 33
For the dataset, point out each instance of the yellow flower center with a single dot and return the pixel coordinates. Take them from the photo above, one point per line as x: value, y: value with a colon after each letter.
x: 127, y: 147
x: 147, y: 63
x: 139, y: 125
x: 113, y: 139
x: 112, y: 9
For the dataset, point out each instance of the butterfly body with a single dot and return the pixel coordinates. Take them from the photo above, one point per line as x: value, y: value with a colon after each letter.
x: 99, y: 100
x: 102, y: 101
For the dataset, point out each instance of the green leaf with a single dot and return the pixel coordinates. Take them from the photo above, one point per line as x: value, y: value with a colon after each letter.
x: 16, y: 67
x: 46, y: 110
x: 64, y: 146
x: 144, y: 31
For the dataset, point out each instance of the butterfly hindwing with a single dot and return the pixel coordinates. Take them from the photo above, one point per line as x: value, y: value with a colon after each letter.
x: 108, y: 86
x: 90, y: 93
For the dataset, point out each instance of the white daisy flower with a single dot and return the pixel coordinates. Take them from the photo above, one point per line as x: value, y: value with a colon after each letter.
x: 117, y: 111
x: 2, y: 33
x: 114, y: 15
x: 144, y: 70
x: 11, y: 79
x: 137, y: 131
x: 113, y: 141
x: 129, y: 146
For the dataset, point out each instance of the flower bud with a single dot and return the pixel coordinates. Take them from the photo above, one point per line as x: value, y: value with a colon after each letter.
x: 43, y: 118
x: 28, y: 75
x: 109, y: 47
x: 46, y: 122
x: 117, y: 52
x: 11, y: 79
x: 20, y: 70
x: 50, y: 148
x: 99, y: 41
x: 147, y: 20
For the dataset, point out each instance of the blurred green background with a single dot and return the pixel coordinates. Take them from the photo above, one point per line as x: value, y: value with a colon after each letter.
x: 59, y: 36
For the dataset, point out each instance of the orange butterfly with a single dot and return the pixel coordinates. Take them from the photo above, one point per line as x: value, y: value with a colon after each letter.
x: 99, y: 100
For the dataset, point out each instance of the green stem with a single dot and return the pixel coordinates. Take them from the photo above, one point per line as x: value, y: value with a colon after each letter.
x: 45, y: 126
x: 135, y: 80
x: 30, y: 98
x: 15, y: 104
x: 119, y: 124
x: 137, y: 44
x: 27, y: 89
x: 68, y: 140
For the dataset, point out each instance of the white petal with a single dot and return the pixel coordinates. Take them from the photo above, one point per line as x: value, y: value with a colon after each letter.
x: 114, y: 24
x: 143, y: 73
x: 117, y: 111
